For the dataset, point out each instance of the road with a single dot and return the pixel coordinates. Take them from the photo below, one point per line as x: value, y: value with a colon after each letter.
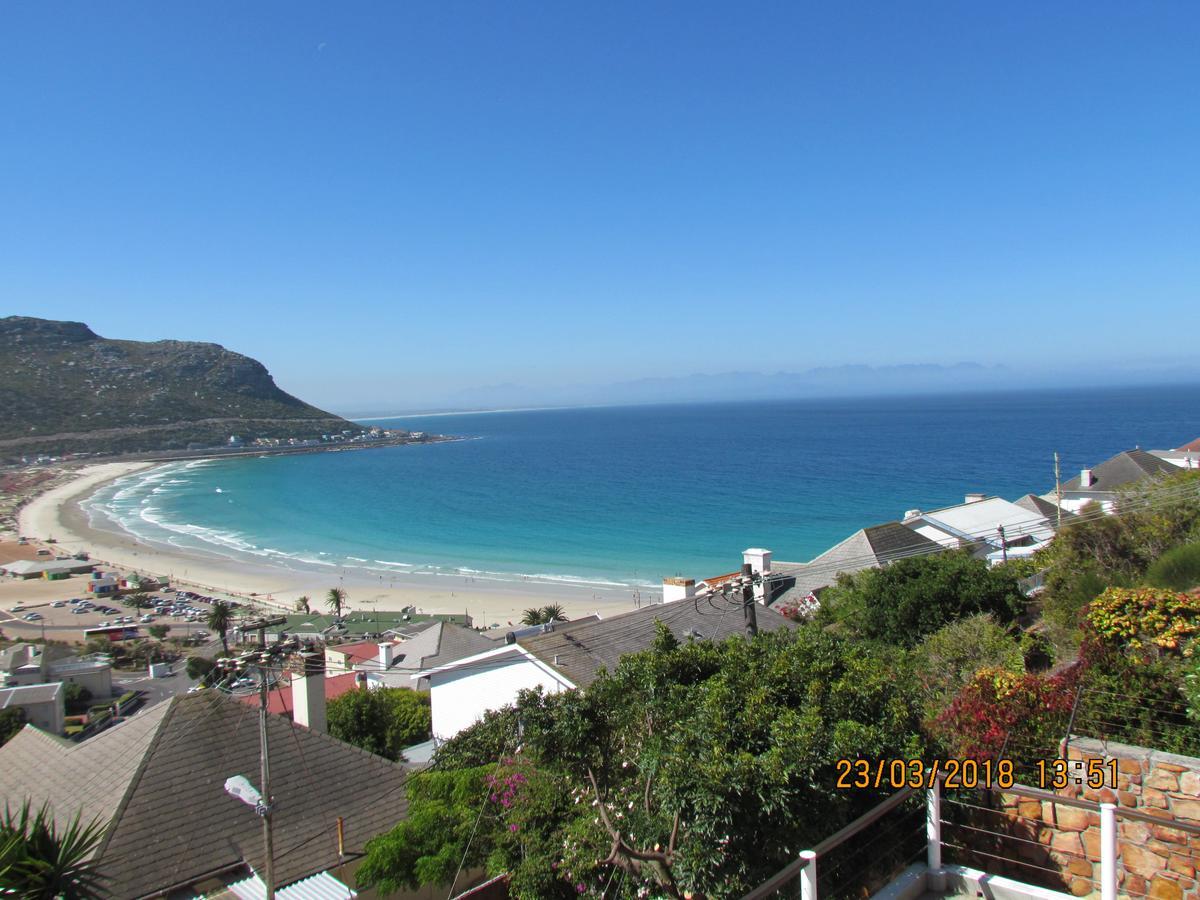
x: 155, y: 690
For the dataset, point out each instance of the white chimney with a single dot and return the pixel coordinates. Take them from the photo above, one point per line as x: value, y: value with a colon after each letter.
x: 678, y: 589
x: 911, y: 514
x: 308, y: 692
x: 1085, y: 478
x: 385, y: 655
x: 759, y: 561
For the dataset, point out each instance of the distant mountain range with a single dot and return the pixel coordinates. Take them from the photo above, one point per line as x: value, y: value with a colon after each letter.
x: 829, y: 381
x: 63, y: 388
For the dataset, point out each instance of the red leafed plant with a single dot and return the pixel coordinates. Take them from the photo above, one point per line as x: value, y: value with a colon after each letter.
x: 998, y: 708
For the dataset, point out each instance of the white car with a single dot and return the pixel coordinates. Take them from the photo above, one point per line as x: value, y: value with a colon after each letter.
x: 104, y: 624
x: 17, y: 608
x: 147, y: 619
x: 58, y: 604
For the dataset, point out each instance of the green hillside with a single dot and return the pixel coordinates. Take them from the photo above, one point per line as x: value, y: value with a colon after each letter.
x: 64, y: 389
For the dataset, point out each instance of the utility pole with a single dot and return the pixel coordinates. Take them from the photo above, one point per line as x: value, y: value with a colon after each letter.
x: 265, y: 762
x: 1003, y: 545
x: 1057, y: 492
x: 749, y: 611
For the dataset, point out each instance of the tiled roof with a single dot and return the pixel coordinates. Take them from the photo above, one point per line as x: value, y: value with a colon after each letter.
x: 159, y: 781
x: 1042, y: 507
x: 357, y: 652
x: 1191, y: 446
x: 865, y: 549
x: 30, y: 693
x: 583, y: 648
x: 279, y: 701
x: 1122, y: 470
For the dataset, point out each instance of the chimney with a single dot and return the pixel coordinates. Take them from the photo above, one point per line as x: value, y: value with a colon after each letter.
x: 678, y: 589
x: 1085, y: 478
x: 974, y: 498
x: 308, y: 692
x: 759, y: 561
x: 385, y: 655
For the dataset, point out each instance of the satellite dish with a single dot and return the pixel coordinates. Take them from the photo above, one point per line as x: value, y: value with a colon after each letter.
x: 237, y: 786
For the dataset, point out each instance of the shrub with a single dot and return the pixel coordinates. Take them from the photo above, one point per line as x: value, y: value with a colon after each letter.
x: 198, y: 667
x: 1177, y: 569
x: 949, y: 658
x: 1145, y: 622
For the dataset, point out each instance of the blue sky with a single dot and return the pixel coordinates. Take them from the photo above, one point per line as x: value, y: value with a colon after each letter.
x: 389, y: 202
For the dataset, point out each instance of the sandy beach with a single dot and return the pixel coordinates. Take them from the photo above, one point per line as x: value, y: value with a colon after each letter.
x: 56, y: 514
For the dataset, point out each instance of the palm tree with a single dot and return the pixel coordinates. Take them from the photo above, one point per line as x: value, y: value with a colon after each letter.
x: 219, y: 618
x: 335, y: 600
x: 551, y: 613
x: 554, y: 613
x: 302, y: 605
x: 39, y: 861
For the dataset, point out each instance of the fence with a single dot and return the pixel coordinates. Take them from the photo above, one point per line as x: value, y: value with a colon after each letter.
x: 1066, y: 843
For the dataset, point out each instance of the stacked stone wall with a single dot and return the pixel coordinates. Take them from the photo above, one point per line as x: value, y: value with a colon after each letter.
x: 1059, y: 846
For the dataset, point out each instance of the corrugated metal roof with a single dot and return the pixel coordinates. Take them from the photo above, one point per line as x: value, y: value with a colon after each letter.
x: 322, y: 886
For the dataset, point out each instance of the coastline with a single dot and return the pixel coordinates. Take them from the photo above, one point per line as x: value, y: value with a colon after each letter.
x: 57, y: 514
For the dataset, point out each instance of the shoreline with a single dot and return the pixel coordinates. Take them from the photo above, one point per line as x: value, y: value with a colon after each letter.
x: 57, y: 514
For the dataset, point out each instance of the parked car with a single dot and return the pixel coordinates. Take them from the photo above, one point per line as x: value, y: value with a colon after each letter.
x: 33, y: 617
x: 18, y: 608
x: 58, y: 604
x: 105, y: 624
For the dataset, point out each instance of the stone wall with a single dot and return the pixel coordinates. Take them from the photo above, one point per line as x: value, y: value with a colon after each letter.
x: 1059, y: 846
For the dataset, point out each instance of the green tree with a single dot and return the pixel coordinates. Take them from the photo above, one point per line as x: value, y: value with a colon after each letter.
x: 1177, y: 569
x: 220, y: 617
x: 76, y: 697
x: 159, y: 632
x: 692, y: 768
x: 302, y: 605
x: 553, y: 612
x: 949, y: 658
x: 198, y: 667
x: 532, y: 616
x: 383, y: 721
x: 140, y: 600
x: 908, y: 599
x: 38, y: 860
x: 335, y: 600
x: 12, y: 720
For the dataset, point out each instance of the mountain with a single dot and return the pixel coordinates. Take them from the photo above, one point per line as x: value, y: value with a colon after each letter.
x: 65, y: 389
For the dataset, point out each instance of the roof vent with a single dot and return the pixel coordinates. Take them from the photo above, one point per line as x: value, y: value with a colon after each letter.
x: 974, y: 497
x: 911, y: 514
x: 1086, y: 479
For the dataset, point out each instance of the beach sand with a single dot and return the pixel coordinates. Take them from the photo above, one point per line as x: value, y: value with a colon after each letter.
x: 56, y: 515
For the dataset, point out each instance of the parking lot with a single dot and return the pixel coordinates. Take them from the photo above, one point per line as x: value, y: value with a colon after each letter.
x: 63, y: 610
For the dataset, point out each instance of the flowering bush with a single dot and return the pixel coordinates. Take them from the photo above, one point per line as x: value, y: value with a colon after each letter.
x: 1146, y: 622
x: 999, y: 707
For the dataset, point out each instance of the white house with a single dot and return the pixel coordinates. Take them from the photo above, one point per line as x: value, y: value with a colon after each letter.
x: 44, y: 704
x: 979, y: 522
x: 567, y: 655
x: 1104, y: 483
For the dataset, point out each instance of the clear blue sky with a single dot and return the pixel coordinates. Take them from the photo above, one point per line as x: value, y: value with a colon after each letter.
x: 392, y: 201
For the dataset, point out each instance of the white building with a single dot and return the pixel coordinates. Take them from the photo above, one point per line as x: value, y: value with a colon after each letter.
x: 981, y: 523
x: 567, y: 655
x: 43, y: 704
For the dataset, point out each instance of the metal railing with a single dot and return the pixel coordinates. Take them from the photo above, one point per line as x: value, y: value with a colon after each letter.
x: 800, y: 877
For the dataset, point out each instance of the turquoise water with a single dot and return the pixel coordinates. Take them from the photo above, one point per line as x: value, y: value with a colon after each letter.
x: 629, y: 495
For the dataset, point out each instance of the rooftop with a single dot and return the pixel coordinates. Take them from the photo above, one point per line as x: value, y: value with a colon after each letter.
x: 30, y: 693
x: 175, y: 756
x: 1124, y: 469
x: 578, y: 650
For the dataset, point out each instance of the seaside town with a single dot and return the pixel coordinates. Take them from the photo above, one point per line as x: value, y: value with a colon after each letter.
x: 127, y: 693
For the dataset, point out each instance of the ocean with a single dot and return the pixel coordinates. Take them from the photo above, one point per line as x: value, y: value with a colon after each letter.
x: 628, y: 495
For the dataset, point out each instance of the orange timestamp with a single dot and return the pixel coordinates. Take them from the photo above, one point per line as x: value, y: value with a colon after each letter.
x: 1048, y: 774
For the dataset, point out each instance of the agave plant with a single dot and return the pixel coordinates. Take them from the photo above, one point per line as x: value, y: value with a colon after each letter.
x: 37, y: 860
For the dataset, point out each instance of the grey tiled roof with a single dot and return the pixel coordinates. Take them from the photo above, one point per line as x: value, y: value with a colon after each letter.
x: 1122, y: 470
x: 865, y: 549
x: 170, y: 818
x: 30, y: 693
x: 1042, y: 507
x: 583, y: 648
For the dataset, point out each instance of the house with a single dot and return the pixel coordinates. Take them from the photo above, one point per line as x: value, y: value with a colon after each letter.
x: 1104, y: 483
x: 1185, y: 457
x: 156, y: 783
x: 24, y: 664
x: 867, y: 548
x: 283, y: 699
x: 1047, y: 509
x: 44, y: 704
x: 356, y: 625
x: 566, y: 655
x: 50, y: 569
x: 341, y: 658
x: 978, y: 523
x: 437, y: 644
